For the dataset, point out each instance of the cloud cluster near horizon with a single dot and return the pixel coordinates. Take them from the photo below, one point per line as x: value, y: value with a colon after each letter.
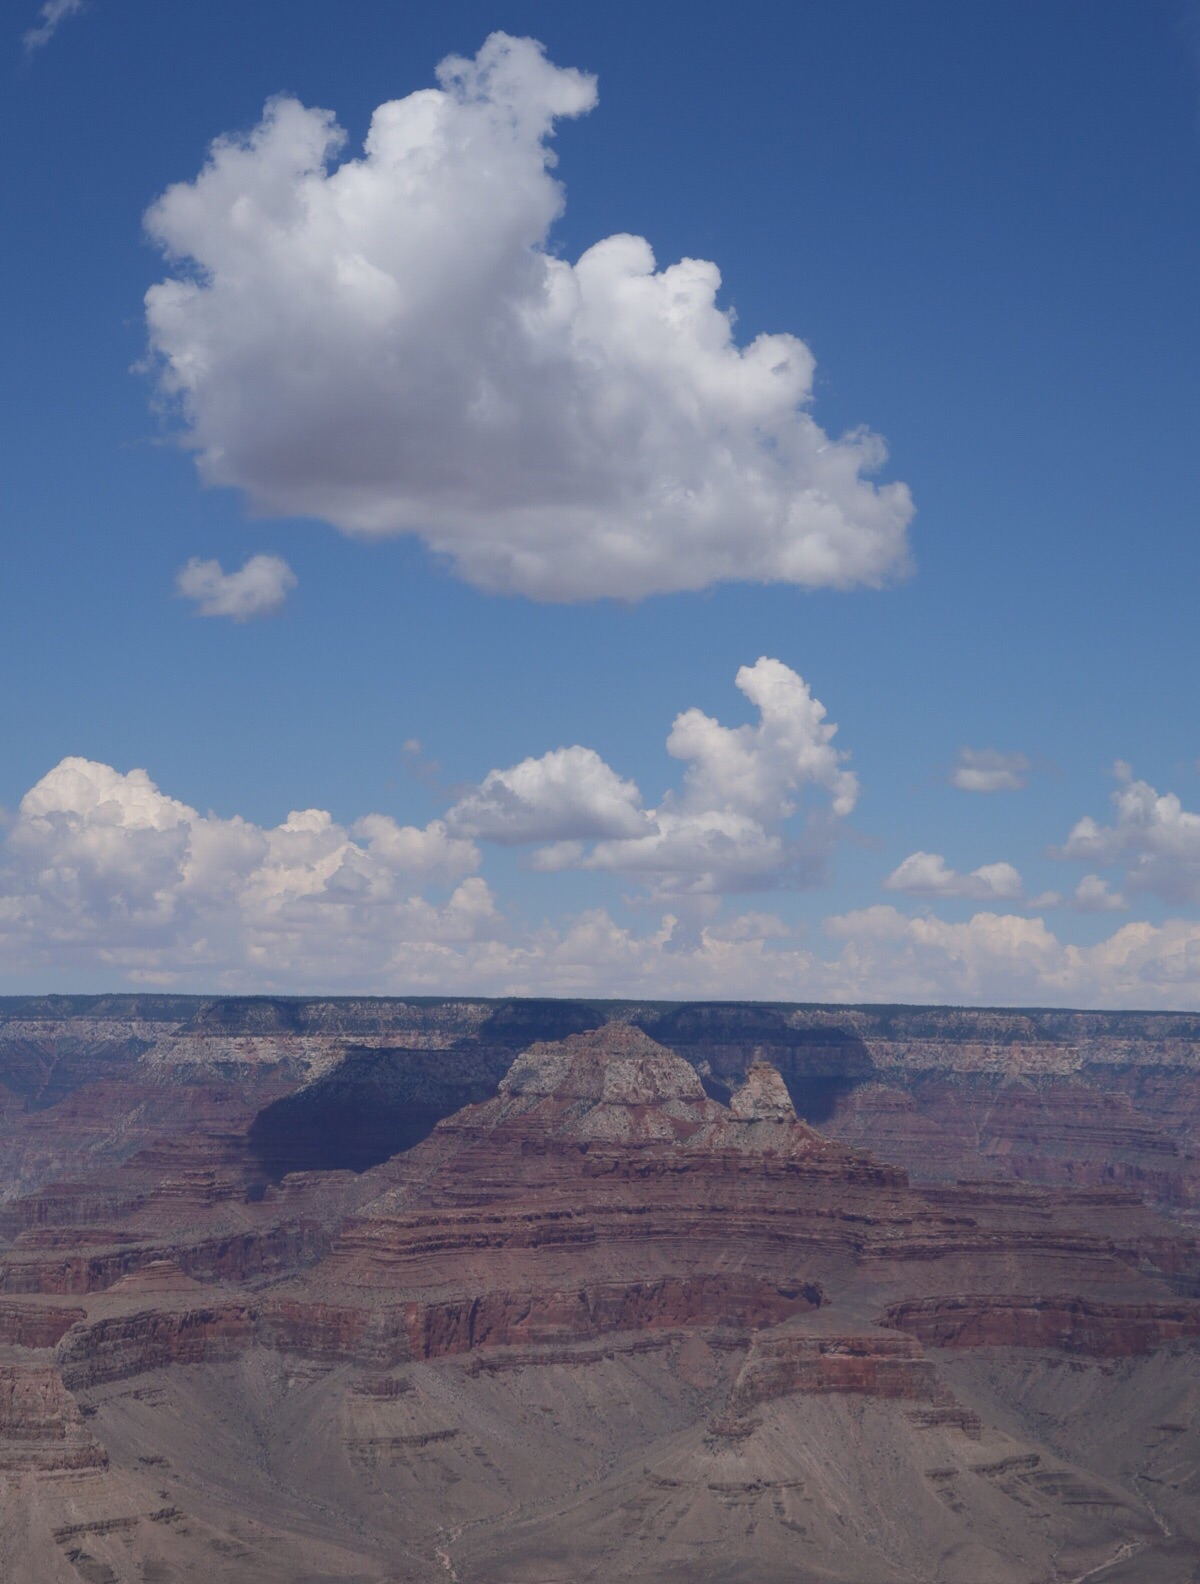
x: 392, y: 344
x: 103, y: 873
x: 104, y: 870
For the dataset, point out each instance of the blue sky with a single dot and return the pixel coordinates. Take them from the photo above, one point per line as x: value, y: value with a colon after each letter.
x: 981, y: 221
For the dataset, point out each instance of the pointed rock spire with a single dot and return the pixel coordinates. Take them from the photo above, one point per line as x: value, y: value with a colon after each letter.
x: 763, y: 1096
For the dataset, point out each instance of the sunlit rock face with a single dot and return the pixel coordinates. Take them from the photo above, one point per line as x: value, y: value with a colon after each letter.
x: 615, y: 1084
x: 763, y: 1097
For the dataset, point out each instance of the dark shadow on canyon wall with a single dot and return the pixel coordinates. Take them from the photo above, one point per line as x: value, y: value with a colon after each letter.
x: 721, y: 1038
x: 379, y: 1101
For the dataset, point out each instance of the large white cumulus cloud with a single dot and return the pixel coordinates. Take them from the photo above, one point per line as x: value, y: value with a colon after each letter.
x: 391, y: 344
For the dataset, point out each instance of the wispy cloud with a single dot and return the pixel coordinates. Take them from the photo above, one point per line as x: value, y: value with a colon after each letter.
x: 53, y: 13
x: 986, y: 770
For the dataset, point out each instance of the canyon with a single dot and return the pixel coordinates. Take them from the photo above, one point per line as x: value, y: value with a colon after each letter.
x: 530, y: 1291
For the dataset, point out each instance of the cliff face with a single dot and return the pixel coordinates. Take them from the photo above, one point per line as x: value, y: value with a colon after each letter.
x: 623, y: 1280
x: 600, y: 1191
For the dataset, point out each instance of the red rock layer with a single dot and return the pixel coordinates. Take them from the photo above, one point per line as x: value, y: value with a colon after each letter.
x: 871, y: 1365
x: 36, y: 1325
x: 1071, y: 1324
x: 178, y: 1327
x: 233, y: 1255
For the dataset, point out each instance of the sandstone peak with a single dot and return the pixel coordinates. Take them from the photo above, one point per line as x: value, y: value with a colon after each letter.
x: 763, y: 1096
x: 613, y: 1065
x: 612, y: 1084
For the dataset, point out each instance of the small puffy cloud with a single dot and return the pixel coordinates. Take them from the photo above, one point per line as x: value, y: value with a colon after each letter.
x: 394, y: 345
x: 52, y: 14
x: 1152, y: 835
x: 987, y: 770
x: 1095, y: 895
x: 721, y: 831
x: 928, y: 874
x: 567, y: 794
x: 259, y: 587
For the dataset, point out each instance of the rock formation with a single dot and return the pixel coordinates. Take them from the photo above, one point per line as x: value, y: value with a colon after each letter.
x: 621, y: 1313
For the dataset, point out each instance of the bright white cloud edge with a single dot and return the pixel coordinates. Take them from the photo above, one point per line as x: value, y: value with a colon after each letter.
x: 391, y: 344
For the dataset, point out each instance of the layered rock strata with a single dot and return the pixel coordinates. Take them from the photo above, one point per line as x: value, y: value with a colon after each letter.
x: 617, y: 1251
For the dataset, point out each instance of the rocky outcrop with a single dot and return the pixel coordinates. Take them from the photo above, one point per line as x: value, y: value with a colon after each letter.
x: 34, y: 1325
x: 763, y: 1096
x: 41, y: 1427
x: 602, y: 1154
x: 868, y: 1365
